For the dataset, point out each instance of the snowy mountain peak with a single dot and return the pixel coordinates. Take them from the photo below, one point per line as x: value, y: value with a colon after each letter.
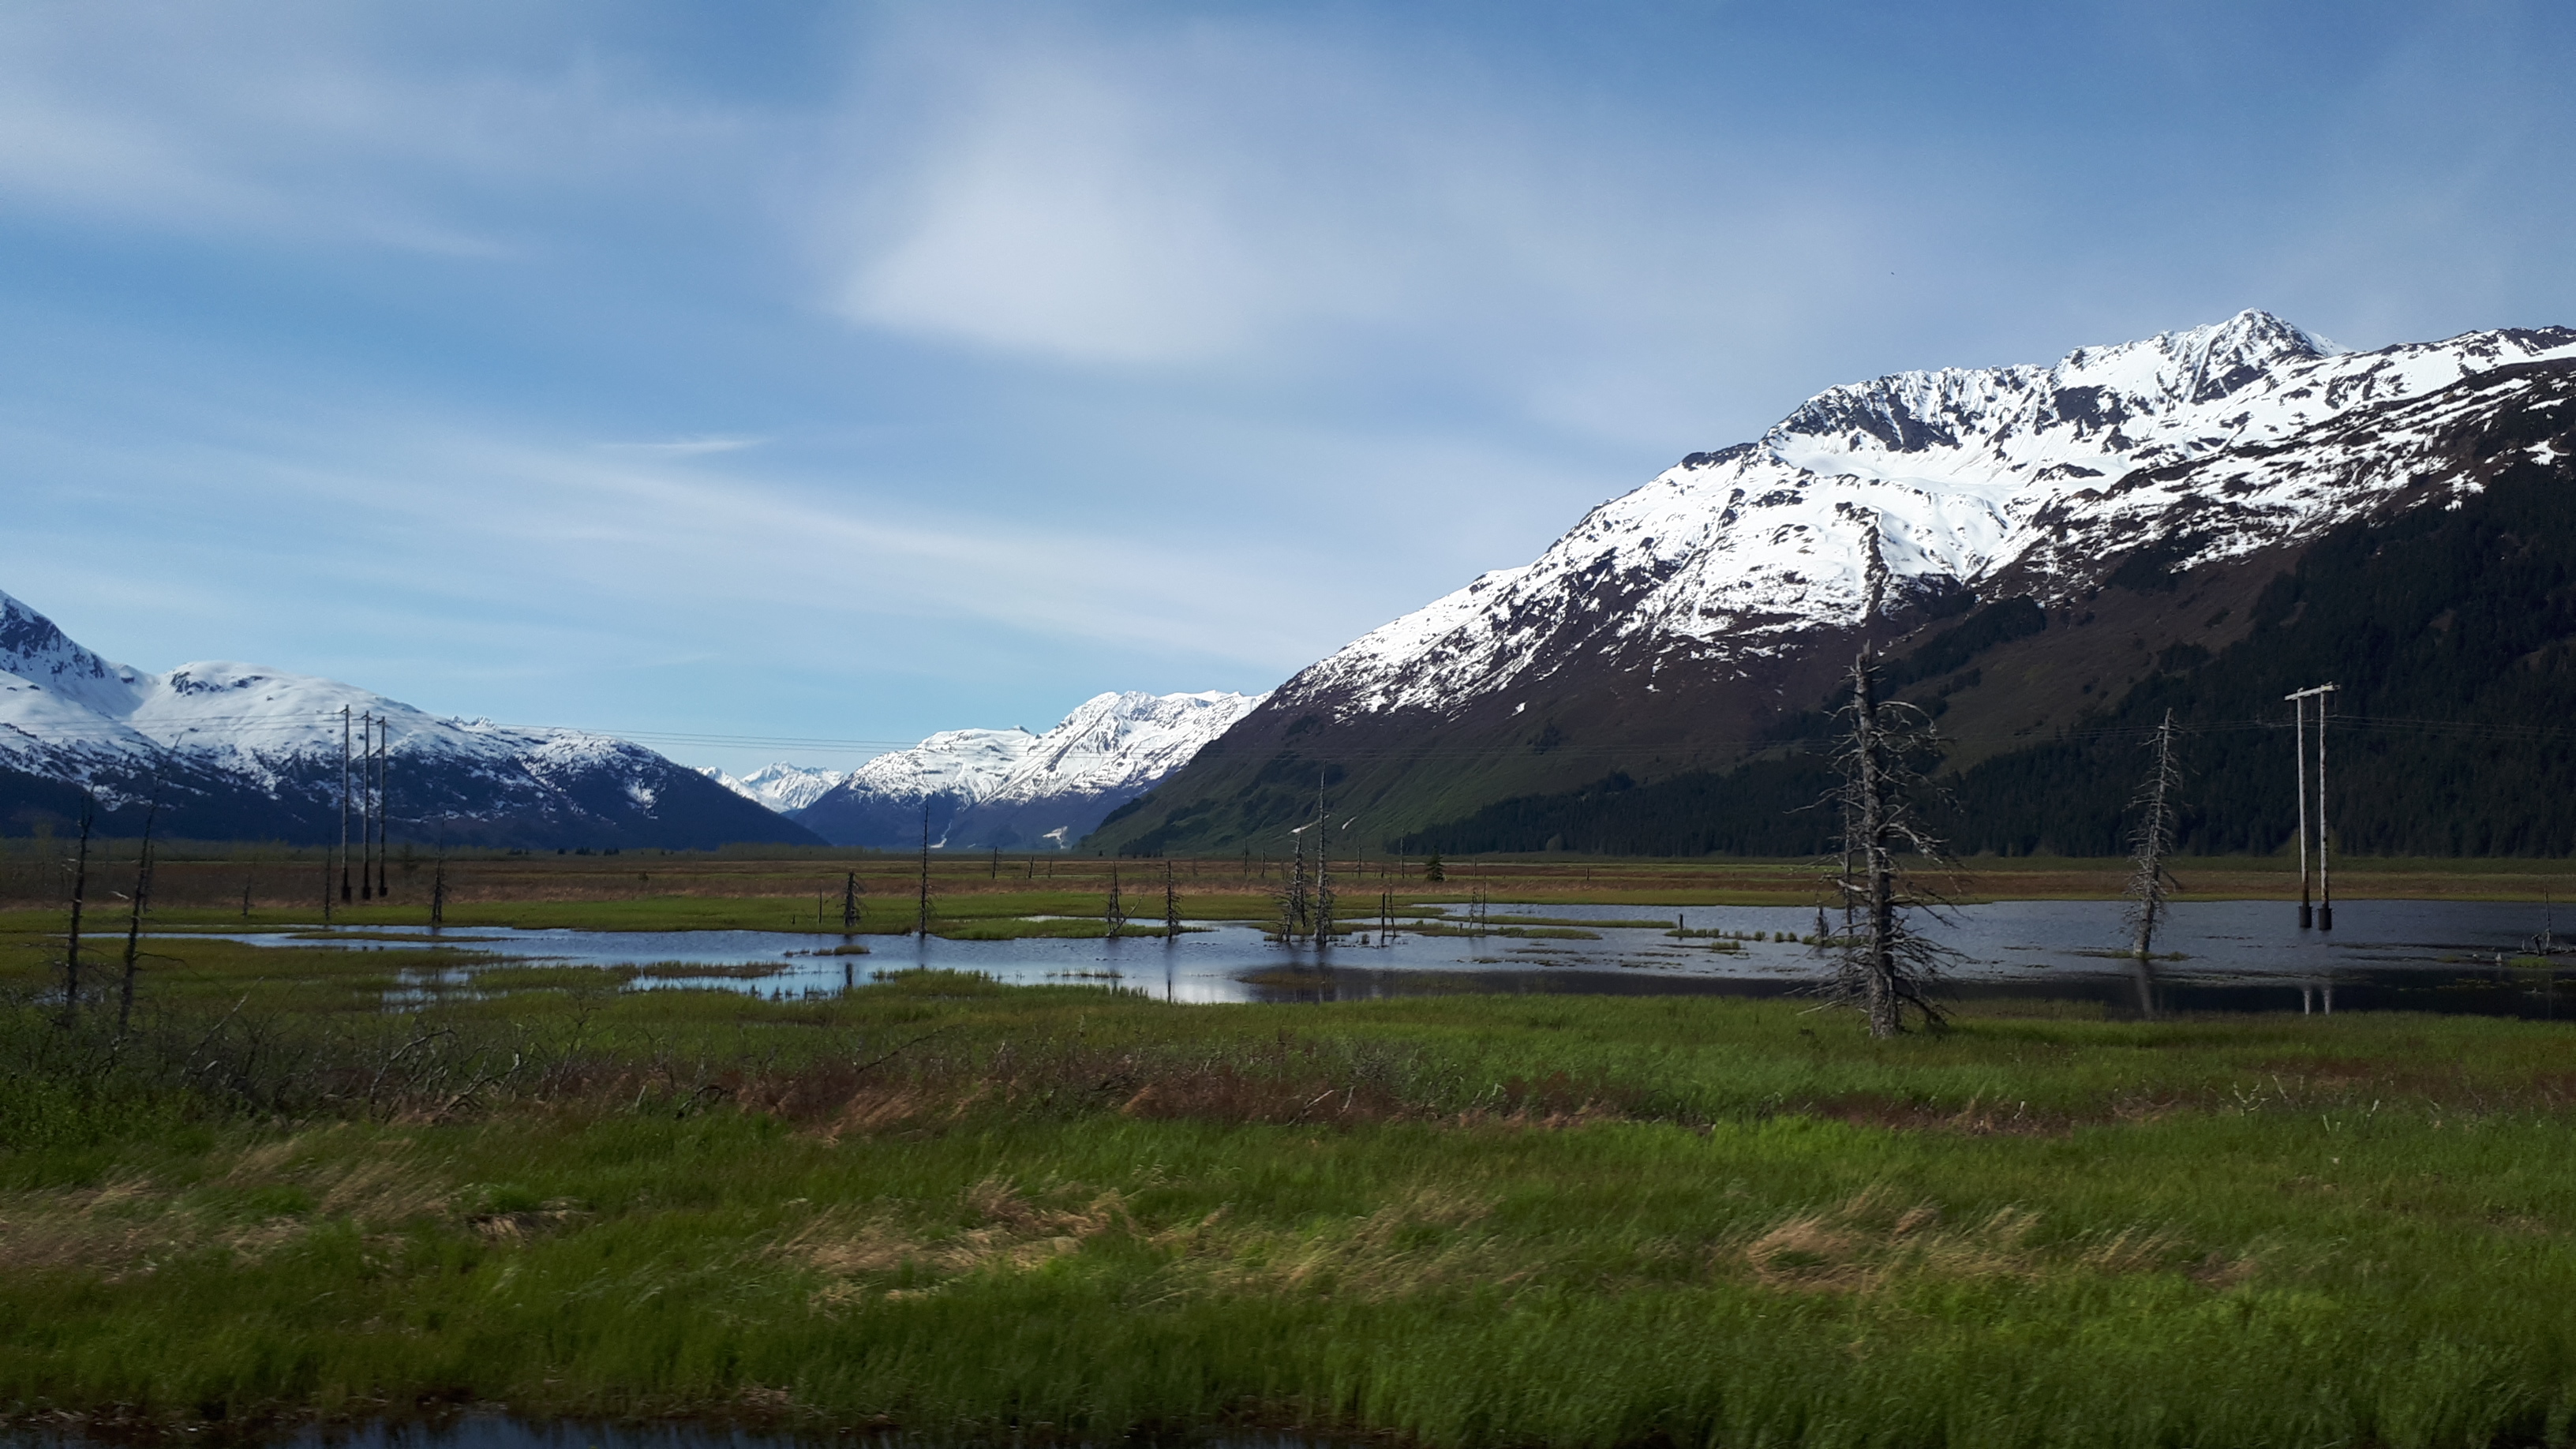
x: 780, y: 786
x: 233, y: 748
x: 1946, y: 476
x: 33, y: 649
x: 1011, y: 787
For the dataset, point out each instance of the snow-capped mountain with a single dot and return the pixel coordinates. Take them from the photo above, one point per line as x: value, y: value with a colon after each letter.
x: 237, y: 749
x: 1011, y: 789
x: 780, y: 786
x: 1912, y: 485
x: 1672, y: 625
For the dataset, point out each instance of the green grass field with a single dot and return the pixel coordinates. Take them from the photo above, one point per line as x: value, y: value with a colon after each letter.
x: 965, y: 1209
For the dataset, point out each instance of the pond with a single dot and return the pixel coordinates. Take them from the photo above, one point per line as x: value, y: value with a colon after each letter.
x: 2230, y: 955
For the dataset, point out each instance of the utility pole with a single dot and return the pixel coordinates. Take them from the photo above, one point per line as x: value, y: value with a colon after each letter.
x: 384, y: 771
x: 2299, y: 736
x: 366, y: 806
x: 344, y: 802
x: 2324, y: 914
x: 2325, y: 886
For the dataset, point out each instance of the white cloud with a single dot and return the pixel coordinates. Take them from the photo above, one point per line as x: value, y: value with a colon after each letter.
x: 1060, y: 223
x: 305, y: 122
x: 689, y: 447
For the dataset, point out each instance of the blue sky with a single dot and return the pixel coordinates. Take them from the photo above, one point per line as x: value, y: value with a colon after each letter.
x: 842, y: 373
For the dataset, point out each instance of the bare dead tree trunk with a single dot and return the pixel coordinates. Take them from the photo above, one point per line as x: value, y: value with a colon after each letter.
x: 1877, y: 896
x: 134, y: 920
x: 1116, y: 914
x: 1884, y: 966
x: 921, y: 922
x: 1171, y: 905
x: 1293, y: 918
x: 850, y: 901
x: 72, y: 936
x: 1323, y: 871
x: 438, y: 896
x: 2149, y: 882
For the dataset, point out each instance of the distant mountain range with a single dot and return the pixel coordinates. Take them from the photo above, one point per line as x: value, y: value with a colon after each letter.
x: 237, y: 751
x: 2045, y: 558
x: 1002, y: 789
x: 782, y: 787
x: 2040, y: 553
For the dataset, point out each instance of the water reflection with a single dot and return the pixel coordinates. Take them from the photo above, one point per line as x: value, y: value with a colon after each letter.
x: 2418, y: 955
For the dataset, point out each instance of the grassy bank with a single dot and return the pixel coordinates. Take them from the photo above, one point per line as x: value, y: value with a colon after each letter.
x: 803, y: 890
x: 951, y: 1206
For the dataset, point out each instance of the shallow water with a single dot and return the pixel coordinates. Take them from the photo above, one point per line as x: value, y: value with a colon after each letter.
x: 2244, y: 955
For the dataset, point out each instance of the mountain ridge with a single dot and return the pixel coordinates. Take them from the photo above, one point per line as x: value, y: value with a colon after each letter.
x: 1674, y: 626
x: 237, y: 750
x: 1011, y: 789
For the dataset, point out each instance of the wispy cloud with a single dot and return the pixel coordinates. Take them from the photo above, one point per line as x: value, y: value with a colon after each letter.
x: 860, y: 365
x: 688, y: 447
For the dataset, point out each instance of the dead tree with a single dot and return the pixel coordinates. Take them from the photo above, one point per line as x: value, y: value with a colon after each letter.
x: 850, y: 901
x: 1116, y: 914
x: 1882, y: 964
x: 921, y: 923
x: 2149, y: 882
x: 72, y: 936
x: 1293, y: 903
x: 1323, y: 908
x: 134, y: 920
x: 438, y: 896
x: 1171, y: 905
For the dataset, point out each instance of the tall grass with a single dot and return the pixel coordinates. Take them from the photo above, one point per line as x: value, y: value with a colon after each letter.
x: 1589, y: 1221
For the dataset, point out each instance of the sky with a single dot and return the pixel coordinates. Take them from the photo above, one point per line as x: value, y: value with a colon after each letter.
x: 793, y: 380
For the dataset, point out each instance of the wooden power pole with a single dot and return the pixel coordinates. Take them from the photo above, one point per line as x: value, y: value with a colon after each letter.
x: 367, y: 806
x: 2323, y: 915
x: 344, y: 802
x: 384, y: 772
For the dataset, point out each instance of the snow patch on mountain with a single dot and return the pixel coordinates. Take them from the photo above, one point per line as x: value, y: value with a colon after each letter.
x: 782, y: 787
x: 68, y: 714
x: 1944, y: 476
x: 1014, y: 788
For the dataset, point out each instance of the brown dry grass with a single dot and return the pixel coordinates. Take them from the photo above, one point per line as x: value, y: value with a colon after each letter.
x: 1868, y: 1242
x: 131, y: 1225
x: 1010, y: 1232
